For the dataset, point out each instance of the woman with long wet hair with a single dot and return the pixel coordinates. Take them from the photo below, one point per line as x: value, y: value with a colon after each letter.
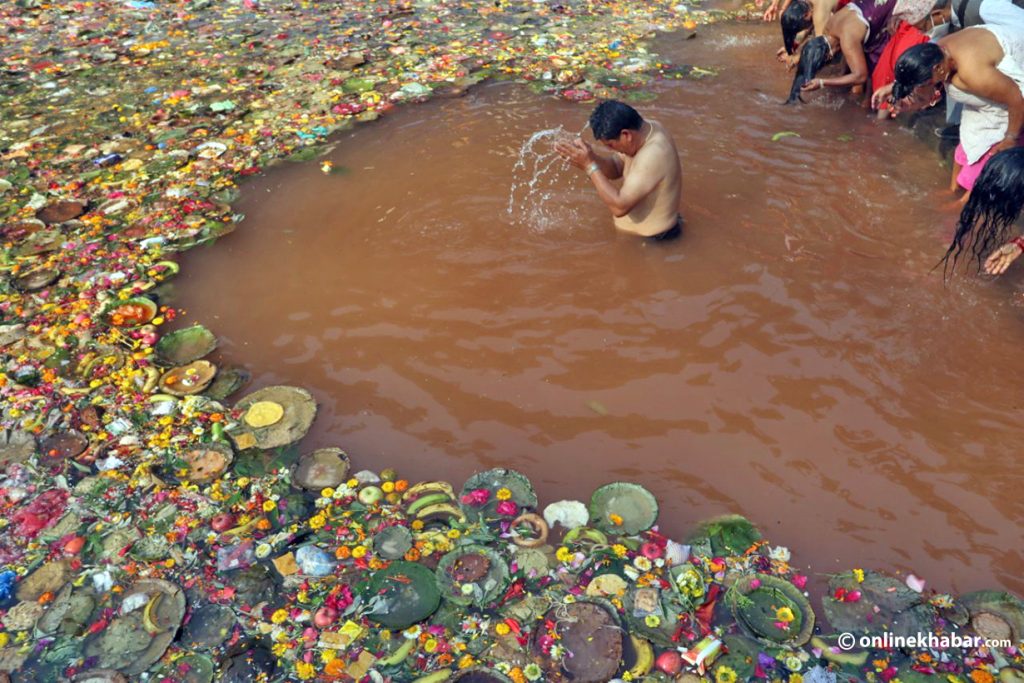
x: 987, y: 218
x: 860, y: 31
x: 981, y: 67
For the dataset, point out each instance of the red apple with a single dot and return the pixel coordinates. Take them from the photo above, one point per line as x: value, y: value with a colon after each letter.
x: 222, y: 522
x: 325, y: 616
x: 669, y: 662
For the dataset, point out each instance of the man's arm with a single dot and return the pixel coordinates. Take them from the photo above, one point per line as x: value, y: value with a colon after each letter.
x: 611, y: 166
x: 644, y: 177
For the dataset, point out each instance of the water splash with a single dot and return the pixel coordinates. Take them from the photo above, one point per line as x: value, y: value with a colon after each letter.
x: 542, y: 185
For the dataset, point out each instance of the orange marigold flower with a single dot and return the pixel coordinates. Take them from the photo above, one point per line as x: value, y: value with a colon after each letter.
x: 335, y: 667
x: 343, y: 552
x: 412, y: 555
x: 401, y: 485
x: 982, y: 676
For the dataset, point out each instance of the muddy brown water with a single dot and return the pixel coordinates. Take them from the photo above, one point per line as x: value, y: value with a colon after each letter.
x: 791, y: 358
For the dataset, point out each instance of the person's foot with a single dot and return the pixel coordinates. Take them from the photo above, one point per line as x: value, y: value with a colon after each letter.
x: 951, y: 132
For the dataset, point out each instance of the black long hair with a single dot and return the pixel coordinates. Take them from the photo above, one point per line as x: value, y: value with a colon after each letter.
x: 995, y: 203
x: 915, y: 67
x: 794, y: 20
x: 813, y: 56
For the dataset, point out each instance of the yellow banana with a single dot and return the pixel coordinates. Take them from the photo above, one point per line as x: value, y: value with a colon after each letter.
x: 149, y: 614
x: 644, y: 657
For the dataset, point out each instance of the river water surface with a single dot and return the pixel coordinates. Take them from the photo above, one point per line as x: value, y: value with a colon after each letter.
x: 791, y: 358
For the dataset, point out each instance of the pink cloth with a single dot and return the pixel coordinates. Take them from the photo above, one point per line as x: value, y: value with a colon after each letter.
x: 969, y: 172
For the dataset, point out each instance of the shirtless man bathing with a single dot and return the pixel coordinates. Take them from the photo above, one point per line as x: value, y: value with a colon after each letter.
x: 644, y: 156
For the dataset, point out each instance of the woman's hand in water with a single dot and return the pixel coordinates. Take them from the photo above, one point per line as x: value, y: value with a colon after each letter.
x: 999, y: 260
x: 881, y: 96
x: 811, y: 85
x: 772, y: 13
x: 576, y: 152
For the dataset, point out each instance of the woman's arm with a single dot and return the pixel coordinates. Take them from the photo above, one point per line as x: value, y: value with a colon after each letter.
x: 985, y: 80
x: 853, y: 51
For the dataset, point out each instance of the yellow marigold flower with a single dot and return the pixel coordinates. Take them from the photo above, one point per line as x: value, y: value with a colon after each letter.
x: 417, y: 524
x: 359, y: 551
x: 316, y: 522
x: 327, y: 492
x: 725, y: 674
x: 466, y: 661
x: 242, y: 482
x: 784, y: 614
x: 305, y: 671
x: 280, y: 616
x: 352, y: 483
x: 387, y: 487
x: 503, y: 494
x: 859, y: 575
x: 619, y: 550
x: 269, y: 506
x: 453, y: 533
x: 430, y: 645
x: 327, y: 656
x: 502, y: 629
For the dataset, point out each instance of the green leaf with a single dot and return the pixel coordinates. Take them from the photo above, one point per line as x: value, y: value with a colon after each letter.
x: 784, y: 134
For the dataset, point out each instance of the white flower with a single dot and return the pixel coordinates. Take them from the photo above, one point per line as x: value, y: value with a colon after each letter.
x: 412, y: 633
x: 779, y: 553
x: 262, y: 550
x: 642, y: 563
x: 569, y: 513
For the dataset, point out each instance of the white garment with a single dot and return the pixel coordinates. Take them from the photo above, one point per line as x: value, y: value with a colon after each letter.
x: 984, y: 122
x: 1002, y: 13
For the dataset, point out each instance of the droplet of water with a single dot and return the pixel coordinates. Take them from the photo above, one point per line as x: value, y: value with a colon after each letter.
x: 538, y: 196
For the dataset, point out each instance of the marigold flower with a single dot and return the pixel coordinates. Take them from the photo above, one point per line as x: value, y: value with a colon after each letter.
x: 725, y: 674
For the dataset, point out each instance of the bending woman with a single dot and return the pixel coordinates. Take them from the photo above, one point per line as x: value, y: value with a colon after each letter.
x: 981, y: 67
x: 988, y: 217
x: 860, y: 31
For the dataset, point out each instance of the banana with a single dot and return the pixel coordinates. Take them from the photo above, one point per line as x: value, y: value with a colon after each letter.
x: 436, y: 677
x: 644, y: 657
x: 152, y: 376
x: 426, y: 501
x: 585, y: 534
x: 426, y: 487
x: 399, y: 655
x: 445, y: 509
x: 854, y: 658
x: 149, y: 614
x: 83, y: 363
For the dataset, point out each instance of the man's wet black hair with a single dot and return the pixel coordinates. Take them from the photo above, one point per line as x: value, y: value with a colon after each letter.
x: 796, y: 18
x: 915, y: 67
x: 611, y: 117
x: 814, y: 55
x: 995, y: 203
